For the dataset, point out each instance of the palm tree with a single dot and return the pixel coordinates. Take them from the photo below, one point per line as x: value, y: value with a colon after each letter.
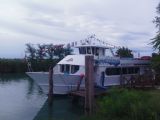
x: 156, y: 41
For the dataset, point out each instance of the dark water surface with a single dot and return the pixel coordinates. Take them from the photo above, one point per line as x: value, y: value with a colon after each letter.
x: 22, y: 99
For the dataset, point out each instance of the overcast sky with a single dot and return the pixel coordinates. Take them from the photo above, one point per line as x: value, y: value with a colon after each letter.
x: 119, y: 22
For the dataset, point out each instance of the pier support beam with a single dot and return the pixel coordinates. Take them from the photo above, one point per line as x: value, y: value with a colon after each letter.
x: 50, y: 91
x: 89, y: 85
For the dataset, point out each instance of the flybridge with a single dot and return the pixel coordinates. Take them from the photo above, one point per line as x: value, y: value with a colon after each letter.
x: 93, y: 46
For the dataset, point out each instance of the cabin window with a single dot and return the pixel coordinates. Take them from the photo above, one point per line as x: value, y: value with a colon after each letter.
x: 124, y: 70
x: 93, y: 50
x: 137, y: 70
x: 74, y: 69
x: 65, y: 68
x: 113, y: 71
x: 103, y: 51
x: 97, y: 51
x: 69, y: 69
x: 82, y: 50
x: 131, y: 70
x: 88, y: 50
x: 62, y: 68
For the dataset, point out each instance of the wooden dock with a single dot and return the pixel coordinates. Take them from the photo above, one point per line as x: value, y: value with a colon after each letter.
x: 82, y: 92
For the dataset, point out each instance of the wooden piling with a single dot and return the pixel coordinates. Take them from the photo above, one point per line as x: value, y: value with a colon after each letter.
x: 50, y: 92
x: 89, y: 85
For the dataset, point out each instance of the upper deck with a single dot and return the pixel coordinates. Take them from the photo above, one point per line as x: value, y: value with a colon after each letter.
x: 93, y: 46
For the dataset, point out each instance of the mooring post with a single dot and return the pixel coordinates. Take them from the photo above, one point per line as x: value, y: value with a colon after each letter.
x: 89, y: 85
x: 50, y: 92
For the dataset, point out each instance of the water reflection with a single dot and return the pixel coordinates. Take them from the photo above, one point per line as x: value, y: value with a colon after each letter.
x: 62, y: 109
x: 11, y: 78
x: 20, y: 98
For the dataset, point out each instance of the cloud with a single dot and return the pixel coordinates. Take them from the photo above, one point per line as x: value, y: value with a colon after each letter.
x: 122, y: 23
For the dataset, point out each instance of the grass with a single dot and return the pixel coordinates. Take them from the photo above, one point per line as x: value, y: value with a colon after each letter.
x: 123, y: 104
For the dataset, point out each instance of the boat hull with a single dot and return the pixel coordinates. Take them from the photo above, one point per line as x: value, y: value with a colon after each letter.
x: 62, y: 83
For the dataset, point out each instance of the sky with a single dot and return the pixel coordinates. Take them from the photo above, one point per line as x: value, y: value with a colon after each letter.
x: 119, y: 22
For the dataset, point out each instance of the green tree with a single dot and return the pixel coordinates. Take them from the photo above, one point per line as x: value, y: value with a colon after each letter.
x: 50, y: 51
x: 31, y: 51
x: 41, y: 52
x: 156, y: 40
x: 59, y: 51
x: 67, y: 50
x: 124, y: 52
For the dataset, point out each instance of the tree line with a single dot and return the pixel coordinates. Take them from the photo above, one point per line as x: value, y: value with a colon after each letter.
x: 46, y: 51
x: 50, y: 51
x: 42, y: 56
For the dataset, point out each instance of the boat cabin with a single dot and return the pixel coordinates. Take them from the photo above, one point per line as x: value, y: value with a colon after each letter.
x: 94, y: 50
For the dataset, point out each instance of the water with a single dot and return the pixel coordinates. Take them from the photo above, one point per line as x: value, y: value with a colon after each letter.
x: 62, y: 109
x: 22, y: 99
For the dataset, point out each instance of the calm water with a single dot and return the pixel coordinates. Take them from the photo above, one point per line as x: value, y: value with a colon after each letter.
x: 22, y: 99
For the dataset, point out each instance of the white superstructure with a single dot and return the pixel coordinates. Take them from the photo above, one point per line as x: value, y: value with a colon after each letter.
x: 70, y: 71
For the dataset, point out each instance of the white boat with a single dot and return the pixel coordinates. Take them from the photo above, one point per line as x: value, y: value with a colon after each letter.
x: 70, y: 71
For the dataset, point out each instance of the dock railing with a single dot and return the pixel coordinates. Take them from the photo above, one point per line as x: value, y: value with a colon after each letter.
x: 132, y: 81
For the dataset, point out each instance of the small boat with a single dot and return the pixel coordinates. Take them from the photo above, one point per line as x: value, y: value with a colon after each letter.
x: 69, y: 73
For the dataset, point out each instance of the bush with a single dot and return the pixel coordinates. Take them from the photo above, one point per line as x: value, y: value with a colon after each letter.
x: 20, y: 65
x: 12, y: 66
x: 156, y: 63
